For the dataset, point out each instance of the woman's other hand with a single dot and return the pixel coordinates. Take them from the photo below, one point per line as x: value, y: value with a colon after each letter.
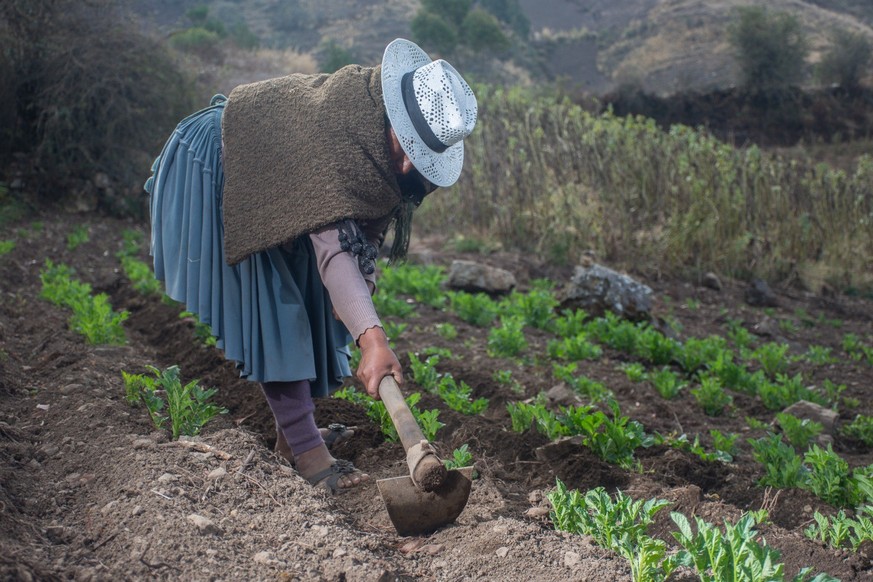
x: 377, y: 361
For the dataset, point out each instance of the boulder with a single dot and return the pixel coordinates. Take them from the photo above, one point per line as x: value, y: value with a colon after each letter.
x: 598, y: 289
x: 474, y: 277
x: 759, y: 294
x: 815, y: 412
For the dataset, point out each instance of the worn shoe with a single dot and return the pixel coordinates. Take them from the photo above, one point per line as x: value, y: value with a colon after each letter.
x: 333, y: 435
x: 330, y: 477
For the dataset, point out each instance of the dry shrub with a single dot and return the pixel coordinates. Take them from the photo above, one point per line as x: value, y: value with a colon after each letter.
x: 241, y: 67
x: 91, y: 93
x: 545, y: 176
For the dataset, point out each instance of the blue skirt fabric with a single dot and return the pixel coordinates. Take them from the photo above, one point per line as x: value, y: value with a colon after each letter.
x: 270, y: 313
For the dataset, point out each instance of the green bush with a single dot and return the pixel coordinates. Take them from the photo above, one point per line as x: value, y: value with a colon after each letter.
x: 481, y: 32
x: 433, y: 32
x: 196, y: 40
x: 508, y: 340
x: 846, y: 62
x: 771, y: 48
x: 334, y: 57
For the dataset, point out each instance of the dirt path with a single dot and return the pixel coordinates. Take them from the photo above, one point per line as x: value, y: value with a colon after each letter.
x: 89, y: 491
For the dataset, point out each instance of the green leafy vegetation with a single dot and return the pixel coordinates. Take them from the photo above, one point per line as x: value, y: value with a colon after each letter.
x: 861, y: 429
x: 504, y: 378
x: 334, y: 57
x: 847, y: 60
x: 799, y: 432
x: 93, y: 316
x: 447, y: 331
x: 619, y: 525
x: 574, y: 348
x: 202, y: 331
x: 475, y: 308
x: 187, y: 406
x: 446, y: 25
x: 612, y: 439
x: 428, y: 420
x: 508, y: 340
x: 841, y: 530
x: 770, y: 46
x: 820, y: 471
x: 461, y: 457
x: 731, y: 553
x: 711, y: 396
x: 77, y: 237
x: 583, y: 386
x: 667, y: 383
x: 424, y: 284
x: 6, y: 247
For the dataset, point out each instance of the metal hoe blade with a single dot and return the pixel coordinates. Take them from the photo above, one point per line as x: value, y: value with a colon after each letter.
x: 415, y: 512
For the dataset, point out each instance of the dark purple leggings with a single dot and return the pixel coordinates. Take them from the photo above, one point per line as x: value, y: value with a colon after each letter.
x: 291, y: 403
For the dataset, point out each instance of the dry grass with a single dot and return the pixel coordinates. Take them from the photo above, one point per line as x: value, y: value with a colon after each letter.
x: 546, y: 177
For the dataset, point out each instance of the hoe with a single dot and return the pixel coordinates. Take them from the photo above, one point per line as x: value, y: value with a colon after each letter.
x: 430, y: 496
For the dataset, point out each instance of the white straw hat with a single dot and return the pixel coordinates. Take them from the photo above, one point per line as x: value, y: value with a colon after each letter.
x: 431, y: 108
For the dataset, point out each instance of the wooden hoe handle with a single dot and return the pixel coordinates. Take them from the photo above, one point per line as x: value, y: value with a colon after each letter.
x: 425, y: 468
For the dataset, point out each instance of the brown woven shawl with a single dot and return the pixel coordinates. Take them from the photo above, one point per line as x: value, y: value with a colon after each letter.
x: 301, y: 152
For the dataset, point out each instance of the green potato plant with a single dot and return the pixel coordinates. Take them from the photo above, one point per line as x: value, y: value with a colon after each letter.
x: 841, y: 530
x: 188, y: 407
x: 619, y: 525
x: 732, y: 553
x: 92, y: 316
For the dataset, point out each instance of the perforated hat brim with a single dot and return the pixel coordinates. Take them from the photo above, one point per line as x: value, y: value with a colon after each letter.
x: 440, y: 168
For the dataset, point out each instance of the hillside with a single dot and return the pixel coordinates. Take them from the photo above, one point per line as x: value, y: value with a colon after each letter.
x: 663, y: 46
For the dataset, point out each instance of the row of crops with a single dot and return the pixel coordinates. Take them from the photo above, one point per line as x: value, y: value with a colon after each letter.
x: 713, y: 370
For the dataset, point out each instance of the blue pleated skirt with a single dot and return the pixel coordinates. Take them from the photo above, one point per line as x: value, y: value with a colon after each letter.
x: 270, y: 313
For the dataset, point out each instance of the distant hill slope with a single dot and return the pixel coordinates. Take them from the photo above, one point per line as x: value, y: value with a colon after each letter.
x: 662, y: 46
x: 666, y: 46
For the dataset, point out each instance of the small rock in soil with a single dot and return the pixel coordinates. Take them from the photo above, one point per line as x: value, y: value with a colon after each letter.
x: 167, y: 478
x: 204, y: 524
x: 537, y: 512
x: 759, y: 294
x: 711, y: 281
x: 143, y: 444
x: 814, y: 412
x: 535, y: 496
x: 502, y: 552
x: 474, y: 277
x: 411, y: 546
x: 216, y: 474
x: 432, y: 549
x: 138, y: 510
x: 571, y: 559
x: 563, y: 395
x: 56, y: 534
x: 71, y: 388
x: 264, y: 557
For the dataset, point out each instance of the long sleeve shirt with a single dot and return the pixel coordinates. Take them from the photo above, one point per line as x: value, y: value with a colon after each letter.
x: 350, y: 291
